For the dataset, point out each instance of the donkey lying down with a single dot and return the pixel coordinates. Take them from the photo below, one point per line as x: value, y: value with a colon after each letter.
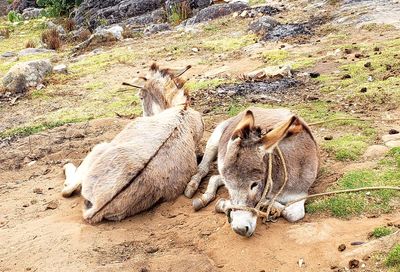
x: 151, y: 160
x: 243, y: 144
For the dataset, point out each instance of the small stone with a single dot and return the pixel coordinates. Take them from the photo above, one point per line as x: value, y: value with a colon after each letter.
x: 38, y: 191
x: 354, y: 264
x: 195, y: 49
x: 393, y: 131
x: 367, y: 64
x: 314, y: 74
x: 52, y: 205
x: 391, y: 137
x: 301, y: 262
x: 366, y: 258
x: 220, y: 265
x: 370, y: 79
x: 60, y: 69
x: 358, y: 55
x: 377, y: 49
x: 25, y: 205
x: 357, y: 243
x: 144, y: 269
x: 346, y: 76
x: 328, y: 138
x: 31, y: 163
x: 342, y: 247
x: 33, y: 201
x: 151, y: 249
x: 347, y: 50
x: 334, y: 267
x: 363, y: 90
x: 375, y: 152
x: 243, y: 14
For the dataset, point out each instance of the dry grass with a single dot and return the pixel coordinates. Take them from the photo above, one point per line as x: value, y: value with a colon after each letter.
x: 52, y: 39
x: 30, y: 44
x: 84, y: 35
x: 69, y: 25
x: 5, y: 32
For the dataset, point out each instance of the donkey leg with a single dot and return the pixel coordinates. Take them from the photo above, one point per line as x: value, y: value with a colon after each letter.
x: 294, y: 212
x: 209, y: 195
x: 73, y: 175
x: 209, y: 155
x: 223, y: 205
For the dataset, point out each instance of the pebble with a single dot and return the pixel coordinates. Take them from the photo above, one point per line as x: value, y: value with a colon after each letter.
x: 328, y: 138
x: 52, y: 205
x: 354, y: 263
x: 342, y: 247
x: 393, y: 131
x: 38, y: 191
x: 363, y: 90
x: 346, y: 76
x: 314, y: 74
x: 152, y: 249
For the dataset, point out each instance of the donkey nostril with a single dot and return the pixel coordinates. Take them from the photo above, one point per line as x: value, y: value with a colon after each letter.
x: 247, y: 229
x: 88, y: 204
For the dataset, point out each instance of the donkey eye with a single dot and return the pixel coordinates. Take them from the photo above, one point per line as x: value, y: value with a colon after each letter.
x: 253, y: 185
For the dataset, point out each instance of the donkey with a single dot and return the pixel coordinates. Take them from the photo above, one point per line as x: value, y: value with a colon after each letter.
x: 243, y: 144
x: 150, y: 160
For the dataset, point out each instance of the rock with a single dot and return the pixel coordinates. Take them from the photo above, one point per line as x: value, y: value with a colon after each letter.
x: 390, y: 137
x: 151, y: 249
x: 59, y: 28
x: 328, y: 138
x: 282, y: 31
x: 392, y: 144
x: 20, y: 5
x: 393, y: 131
x: 263, y: 25
x: 33, y: 51
x: 32, y: 13
x: 269, y: 72
x: 26, y: 74
x: 38, y: 191
x: 60, y: 69
x: 112, y: 33
x: 95, y: 13
x: 72, y: 133
x: 216, y: 11
x: 354, y: 264
x: 363, y: 90
x: 342, y: 247
x: 155, y: 17
x: 101, y: 35
x: 8, y: 54
x: 155, y: 28
x: 375, y: 152
x: 346, y: 76
x: 314, y: 74
x: 52, y: 205
x: 200, y: 4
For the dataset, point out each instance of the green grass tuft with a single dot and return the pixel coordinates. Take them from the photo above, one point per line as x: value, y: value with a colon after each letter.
x: 347, y: 147
x: 393, y: 258
x: 275, y: 57
x: 381, y: 231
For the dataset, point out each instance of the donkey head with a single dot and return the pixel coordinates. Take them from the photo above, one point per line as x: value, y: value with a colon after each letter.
x: 161, y: 89
x: 246, y: 164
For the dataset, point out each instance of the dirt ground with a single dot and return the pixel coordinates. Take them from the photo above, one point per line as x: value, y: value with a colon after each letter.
x: 41, y: 231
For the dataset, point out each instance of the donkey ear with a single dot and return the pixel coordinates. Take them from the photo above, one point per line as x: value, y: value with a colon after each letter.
x: 283, y: 129
x: 136, y: 83
x: 178, y: 72
x: 244, y: 127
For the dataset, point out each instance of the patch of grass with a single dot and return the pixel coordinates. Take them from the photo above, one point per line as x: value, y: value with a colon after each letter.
x: 393, y: 257
x: 256, y: 2
x: 347, y: 147
x: 94, y: 85
x: 381, y: 78
x: 375, y: 27
x: 226, y: 44
x: 379, y: 232
x: 275, y: 57
x: 373, y: 202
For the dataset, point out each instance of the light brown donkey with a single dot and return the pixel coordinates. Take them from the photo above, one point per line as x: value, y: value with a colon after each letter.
x: 150, y: 160
x: 243, y: 144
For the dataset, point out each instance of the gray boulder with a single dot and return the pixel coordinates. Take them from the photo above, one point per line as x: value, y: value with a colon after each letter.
x: 60, y: 69
x: 102, y: 35
x: 263, y: 25
x: 94, y: 12
x: 155, y: 17
x: 59, y: 28
x: 27, y: 74
x: 31, y: 13
x: 216, y: 11
x: 155, y: 28
x: 34, y: 51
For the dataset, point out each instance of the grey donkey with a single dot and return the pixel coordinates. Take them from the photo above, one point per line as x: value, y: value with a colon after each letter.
x: 243, y: 144
x: 151, y: 160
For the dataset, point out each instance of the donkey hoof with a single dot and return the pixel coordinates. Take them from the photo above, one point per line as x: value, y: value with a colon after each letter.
x: 189, y: 191
x: 197, y: 204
